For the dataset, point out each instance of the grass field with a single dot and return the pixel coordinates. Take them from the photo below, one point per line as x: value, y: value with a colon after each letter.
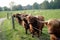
x: 19, y: 34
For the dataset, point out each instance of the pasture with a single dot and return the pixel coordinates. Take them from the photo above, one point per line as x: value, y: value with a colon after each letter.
x: 19, y: 34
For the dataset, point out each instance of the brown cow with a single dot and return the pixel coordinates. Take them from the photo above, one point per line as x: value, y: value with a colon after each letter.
x: 25, y: 22
x: 54, y: 29
x: 41, y: 18
x: 35, y: 25
x: 18, y: 18
x: 22, y: 21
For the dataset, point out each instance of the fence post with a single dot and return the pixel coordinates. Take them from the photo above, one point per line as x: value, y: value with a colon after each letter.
x: 13, y: 25
x: 7, y: 15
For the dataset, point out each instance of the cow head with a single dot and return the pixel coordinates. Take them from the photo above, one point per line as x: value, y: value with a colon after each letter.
x: 52, y: 25
x: 17, y: 15
x: 53, y: 29
x: 23, y: 16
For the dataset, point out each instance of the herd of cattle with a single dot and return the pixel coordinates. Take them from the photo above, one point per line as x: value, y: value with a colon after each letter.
x: 35, y: 25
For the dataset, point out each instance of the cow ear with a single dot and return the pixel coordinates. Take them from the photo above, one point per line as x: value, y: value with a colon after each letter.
x: 46, y: 23
x: 13, y: 15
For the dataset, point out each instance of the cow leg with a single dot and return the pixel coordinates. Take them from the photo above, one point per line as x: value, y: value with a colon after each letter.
x: 52, y: 37
x: 33, y: 33
x: 26, y: 30
x: 38, y: 34
x: 41, y: 30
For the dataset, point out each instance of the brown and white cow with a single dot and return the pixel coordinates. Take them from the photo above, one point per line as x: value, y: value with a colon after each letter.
x: 53, y: 29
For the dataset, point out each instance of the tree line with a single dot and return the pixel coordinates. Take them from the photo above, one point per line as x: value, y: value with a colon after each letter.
x: 53, y: 4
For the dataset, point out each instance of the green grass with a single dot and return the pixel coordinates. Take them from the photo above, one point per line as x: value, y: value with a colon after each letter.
x: 2, y: 14
x: 19, y: 34
x: 48, y: 14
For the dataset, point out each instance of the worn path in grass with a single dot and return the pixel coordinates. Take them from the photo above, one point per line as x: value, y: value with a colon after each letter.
x: 1, y: 33
x: 1, y: 22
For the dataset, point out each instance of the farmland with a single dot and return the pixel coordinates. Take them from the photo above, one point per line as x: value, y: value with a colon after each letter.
x: 19, y: 34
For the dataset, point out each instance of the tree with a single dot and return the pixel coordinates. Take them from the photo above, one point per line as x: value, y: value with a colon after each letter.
x: 14, y: 8
x: 1, y: 9
x: 11, y: 4
x: 19, y: 7
x: 57, y: 4
x: 35, y: 6
x: 51, y: 4
x: 29, y: 7
x: 6, y: 8
x: 45, y: 5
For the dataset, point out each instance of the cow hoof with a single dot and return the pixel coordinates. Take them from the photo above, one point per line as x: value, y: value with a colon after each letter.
x: 33, y: 36
x: 38, y: 36
x: 26, y: 33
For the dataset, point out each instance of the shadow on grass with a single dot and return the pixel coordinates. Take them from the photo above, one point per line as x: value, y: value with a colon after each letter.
x: 44, y: 36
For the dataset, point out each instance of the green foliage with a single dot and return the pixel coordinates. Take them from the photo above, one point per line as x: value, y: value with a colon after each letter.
x: 45, y: 5
x: 1, y: 9
x: 57, y: 4
x: 3, y: 14
x: 28, y: 7
x: 35, y: 6
x: 51, y: 4
x: 14, y: 8
x: 6, y: 8
x: 19, y: 7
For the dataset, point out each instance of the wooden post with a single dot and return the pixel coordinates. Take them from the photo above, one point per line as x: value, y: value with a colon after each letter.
x: 13, y: 25
x: 7, y: 15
